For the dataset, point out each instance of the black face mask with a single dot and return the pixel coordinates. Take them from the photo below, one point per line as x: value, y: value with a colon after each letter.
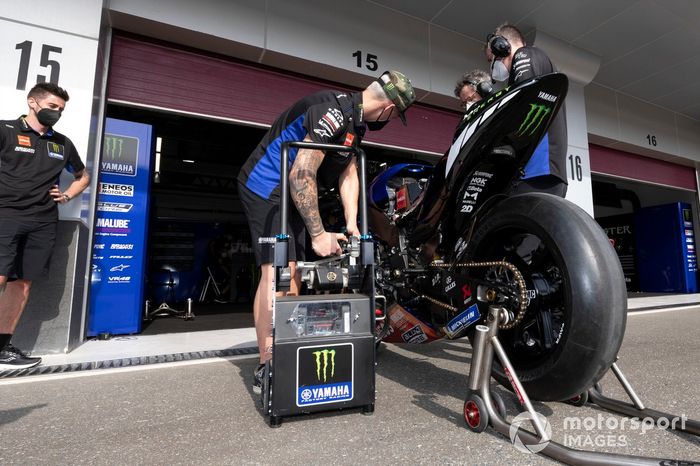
x: 48, y: 117
x: 376, y: 125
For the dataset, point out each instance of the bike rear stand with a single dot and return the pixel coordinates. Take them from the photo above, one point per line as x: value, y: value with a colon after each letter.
x: 482, y: 407
x: 164, y: 310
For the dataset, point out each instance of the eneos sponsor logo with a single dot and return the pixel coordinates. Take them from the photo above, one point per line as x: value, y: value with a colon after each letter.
x: 115, y: 189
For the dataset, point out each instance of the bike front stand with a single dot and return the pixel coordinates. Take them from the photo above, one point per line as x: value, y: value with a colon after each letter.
x: 483, y: 408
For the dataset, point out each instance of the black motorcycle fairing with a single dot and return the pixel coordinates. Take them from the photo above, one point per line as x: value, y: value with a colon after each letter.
x: 492, y: 144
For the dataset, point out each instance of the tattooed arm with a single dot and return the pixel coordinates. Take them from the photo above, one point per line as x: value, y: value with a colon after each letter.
x: 303, y: 189
x: 349, y: 184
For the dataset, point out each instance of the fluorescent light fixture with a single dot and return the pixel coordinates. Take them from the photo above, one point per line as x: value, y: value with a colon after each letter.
x: 188, y: 160
x: 159, y: 143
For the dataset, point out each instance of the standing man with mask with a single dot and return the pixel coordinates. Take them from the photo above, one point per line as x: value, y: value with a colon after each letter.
x: 327, y: 117
x: 32, y: 157
x: 512, y: 61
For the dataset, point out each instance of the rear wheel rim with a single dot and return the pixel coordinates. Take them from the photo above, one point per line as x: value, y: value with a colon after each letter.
x: 545, y: 324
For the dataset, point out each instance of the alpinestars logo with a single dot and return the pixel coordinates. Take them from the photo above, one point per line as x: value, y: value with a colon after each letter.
x: 324, y: 354
x: 533, y: 119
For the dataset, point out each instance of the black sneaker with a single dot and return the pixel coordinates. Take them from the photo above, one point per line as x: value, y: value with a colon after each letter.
x: 12, y: 358
x: 258, y: 375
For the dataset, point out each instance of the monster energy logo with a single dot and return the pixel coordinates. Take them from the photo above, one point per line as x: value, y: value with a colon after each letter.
x: 533, y: 119
x: 114, y: 147
x: 119, y: 155
x: 325, y: 353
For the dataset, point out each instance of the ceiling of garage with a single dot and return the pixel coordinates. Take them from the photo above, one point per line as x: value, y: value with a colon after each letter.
x: 649, y: 49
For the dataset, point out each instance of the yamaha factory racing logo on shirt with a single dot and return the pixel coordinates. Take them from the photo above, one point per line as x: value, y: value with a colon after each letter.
x: 324, y: 374
x: 119, y: 155
x: 55, y: 150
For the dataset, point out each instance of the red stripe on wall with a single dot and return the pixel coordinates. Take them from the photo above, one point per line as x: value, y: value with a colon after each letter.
x: 625, y: 164
x: 168, y: 77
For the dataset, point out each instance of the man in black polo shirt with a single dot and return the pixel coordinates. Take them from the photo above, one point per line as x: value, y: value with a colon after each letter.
x: 32, y: 157
x: 512, y: 62
x: 328, y: 117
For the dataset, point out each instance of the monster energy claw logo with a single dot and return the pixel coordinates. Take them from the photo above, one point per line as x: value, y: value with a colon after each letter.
x: 325, y: 353
x: 114, y: 147
x: 119, y: 155
x: 533, y: 119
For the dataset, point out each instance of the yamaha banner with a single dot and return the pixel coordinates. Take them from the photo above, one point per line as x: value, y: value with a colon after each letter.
x: 121, y: 224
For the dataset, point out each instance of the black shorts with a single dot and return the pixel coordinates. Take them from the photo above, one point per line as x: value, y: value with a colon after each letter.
x: 264, y: 222
x: 25, y: 248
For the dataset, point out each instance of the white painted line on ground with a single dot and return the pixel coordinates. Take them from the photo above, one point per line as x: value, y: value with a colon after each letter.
x: 118, y: 370
x: 658, y: 311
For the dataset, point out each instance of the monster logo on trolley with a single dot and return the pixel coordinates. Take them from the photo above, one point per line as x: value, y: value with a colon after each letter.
x: 324, y: 374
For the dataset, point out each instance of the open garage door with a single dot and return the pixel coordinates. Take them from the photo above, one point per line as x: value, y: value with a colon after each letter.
x: 167, y: 77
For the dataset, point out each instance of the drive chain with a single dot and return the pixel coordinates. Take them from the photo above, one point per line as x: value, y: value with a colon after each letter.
x: 523, y: 299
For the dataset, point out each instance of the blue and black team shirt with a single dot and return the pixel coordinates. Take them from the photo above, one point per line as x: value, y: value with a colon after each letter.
x: 30, y: 163
x: 550, y: 156
x: 328, y: 117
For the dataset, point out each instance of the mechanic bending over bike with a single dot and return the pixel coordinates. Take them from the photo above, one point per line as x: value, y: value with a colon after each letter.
x: 512, y: 61
x: 328, y: 117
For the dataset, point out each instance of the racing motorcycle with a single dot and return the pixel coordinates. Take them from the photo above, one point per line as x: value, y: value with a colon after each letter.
x: 449, y: 241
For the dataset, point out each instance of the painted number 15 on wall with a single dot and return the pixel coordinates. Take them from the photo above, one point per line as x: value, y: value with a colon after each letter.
x: 47, y: 60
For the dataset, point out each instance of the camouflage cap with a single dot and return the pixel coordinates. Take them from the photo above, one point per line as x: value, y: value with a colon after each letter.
x: 398, y: 89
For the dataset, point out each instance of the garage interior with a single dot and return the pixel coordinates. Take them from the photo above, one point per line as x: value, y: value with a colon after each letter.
x: 199, y: 245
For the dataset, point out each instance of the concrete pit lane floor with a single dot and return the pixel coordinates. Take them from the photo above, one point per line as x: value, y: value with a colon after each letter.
x: 204, y: 412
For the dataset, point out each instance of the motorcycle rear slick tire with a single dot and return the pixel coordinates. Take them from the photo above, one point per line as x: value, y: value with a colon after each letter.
x: 589, y: 302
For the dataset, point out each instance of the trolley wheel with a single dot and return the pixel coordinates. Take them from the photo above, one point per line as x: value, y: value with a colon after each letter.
x: 475, y: 413
x: 579, y: 400
x: 275, y: 421
x: 500, y: 405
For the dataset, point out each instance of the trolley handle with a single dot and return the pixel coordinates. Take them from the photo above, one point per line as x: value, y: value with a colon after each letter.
x: 282, y: 239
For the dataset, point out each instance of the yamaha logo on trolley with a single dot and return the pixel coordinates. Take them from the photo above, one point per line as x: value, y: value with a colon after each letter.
x: 324, y: 374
